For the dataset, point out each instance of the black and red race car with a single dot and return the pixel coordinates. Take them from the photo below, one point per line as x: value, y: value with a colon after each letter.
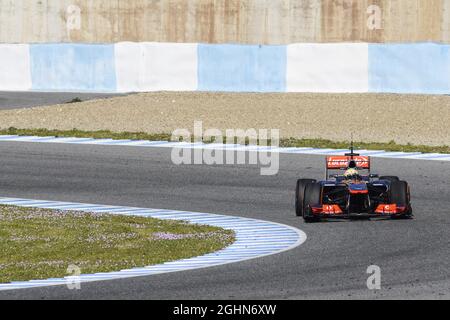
x: 363, y: 196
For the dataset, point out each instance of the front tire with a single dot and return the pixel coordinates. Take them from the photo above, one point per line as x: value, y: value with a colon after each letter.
x: 400, y: 195
x: 299, y: 195
x: 313, y: 196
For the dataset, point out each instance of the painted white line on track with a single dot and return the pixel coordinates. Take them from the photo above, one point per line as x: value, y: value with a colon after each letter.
x: 254, y: 239
x: 230, y: 147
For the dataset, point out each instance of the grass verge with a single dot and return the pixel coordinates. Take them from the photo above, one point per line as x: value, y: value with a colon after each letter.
x: 40, y: 243
x: 286, y: 142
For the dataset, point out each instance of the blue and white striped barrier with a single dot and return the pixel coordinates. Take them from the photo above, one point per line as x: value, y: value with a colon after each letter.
x: 227, y: 147
x: 421, y: 68
x: 253, y: 239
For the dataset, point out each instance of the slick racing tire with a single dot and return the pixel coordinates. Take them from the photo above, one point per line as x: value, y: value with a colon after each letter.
x: 313, y: 192
x: 299, y: 195
x: 390, y: 178
x: 400, y: 195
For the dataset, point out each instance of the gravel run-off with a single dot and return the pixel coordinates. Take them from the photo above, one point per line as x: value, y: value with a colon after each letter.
x: 415, y: 119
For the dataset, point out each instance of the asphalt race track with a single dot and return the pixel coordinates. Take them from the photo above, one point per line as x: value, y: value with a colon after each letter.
x: 19, y: 100
x: 413, y: 255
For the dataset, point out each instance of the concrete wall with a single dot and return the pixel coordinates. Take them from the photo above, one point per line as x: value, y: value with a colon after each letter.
x: 224, y: 21
x: 422, y: 68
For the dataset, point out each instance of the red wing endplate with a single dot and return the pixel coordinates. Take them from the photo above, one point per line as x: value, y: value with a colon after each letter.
x: 341, y: 162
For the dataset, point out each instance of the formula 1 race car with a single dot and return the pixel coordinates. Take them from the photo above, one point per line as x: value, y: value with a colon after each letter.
x: 352, y: 195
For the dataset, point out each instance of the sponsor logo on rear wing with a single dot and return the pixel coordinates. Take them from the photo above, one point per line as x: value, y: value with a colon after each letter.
x: 342, y: 162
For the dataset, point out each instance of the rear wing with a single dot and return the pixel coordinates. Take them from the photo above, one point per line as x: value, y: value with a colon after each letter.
x: 342, y: 162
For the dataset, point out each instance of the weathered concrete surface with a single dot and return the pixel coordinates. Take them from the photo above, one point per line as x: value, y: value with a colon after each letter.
x: 223, y: 21
x: 446, y: 21
x: 414, y: 20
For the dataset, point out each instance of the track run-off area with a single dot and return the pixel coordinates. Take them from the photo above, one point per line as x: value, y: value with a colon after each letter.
x: 253, y: 239
x: 413, y: 255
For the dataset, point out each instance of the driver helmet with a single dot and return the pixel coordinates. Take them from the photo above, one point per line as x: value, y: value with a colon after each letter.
x: 351, y: 174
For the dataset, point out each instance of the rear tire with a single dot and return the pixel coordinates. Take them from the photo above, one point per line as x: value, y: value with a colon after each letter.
x: 313, y: 194
x: 390, y: 178
x: 299, y: 195
x: 399, y: 194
